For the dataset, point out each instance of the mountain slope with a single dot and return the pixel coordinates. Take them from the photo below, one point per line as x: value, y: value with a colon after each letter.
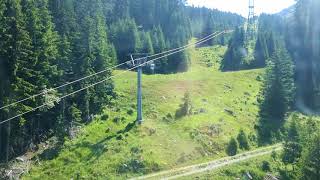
x: 113, y: 147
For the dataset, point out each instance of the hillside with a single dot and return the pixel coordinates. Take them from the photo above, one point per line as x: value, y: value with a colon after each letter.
x: 113, y: 147
x: 62, y: 44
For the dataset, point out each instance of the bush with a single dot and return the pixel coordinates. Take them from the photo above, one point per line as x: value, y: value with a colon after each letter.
x: 243, y: 140
x: 130, y: 112
x: 232, y: 148
x: 265, y: 166
x: 116, y: 120
x: 104, y: 117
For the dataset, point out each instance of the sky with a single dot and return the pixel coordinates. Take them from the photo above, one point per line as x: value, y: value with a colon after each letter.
x: 242, y: 6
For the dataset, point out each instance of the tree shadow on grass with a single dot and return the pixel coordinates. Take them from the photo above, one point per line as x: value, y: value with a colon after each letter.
x: 99, y: 148
x: 96, y: 150
x: 51, y: 153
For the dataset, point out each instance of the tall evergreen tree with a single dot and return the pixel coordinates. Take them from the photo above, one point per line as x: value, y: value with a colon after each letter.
x: 17, y: 61
x: 146, y: 43
x: 233, y: 58
x: 304, y: 46
x: 159, y: 45
x: 125, y: 30
x: 292, y: 149
x: 277, y: 93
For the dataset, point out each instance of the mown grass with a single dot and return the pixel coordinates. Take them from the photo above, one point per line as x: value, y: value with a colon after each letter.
x: 112, y: 147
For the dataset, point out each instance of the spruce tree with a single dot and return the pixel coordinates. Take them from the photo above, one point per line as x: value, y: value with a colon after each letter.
x: 261, y: 51
x: 233, y: 58
x: 232, y: 147
x: 159, y: 46
x: 292, y: 147
x: 146, y: 42
x: 16, y: 78
x: 277, y: 94
x: 45, y: 49
x: 125, y: 30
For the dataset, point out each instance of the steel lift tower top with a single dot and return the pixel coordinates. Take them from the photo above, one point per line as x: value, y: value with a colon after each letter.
x: 251, y: 19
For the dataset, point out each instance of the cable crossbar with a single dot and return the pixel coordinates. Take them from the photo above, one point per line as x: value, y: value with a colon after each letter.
x: 111, y: 77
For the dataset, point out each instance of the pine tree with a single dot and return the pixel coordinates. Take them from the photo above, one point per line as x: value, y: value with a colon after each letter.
x: 125, y: 30
x: 261, y: 53
x: 17, y: 74
x: 93, y: 53
x: 233, y: 58
x: 159, y: 45
x: 65, y: 24
x: 45, y: 49
x: 277, y: 94
x: 292, y: 149
x: 146, y: 42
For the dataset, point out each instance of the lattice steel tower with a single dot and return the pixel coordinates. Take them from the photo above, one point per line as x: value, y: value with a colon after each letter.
x: 251, y: 19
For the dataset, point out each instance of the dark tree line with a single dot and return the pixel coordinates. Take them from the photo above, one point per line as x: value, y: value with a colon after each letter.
x: 290, y: 47
x: 151, y: 26
x: 270, y: 28
x: 46, y: 43
x: 303, y: 34
x: 204, y: 21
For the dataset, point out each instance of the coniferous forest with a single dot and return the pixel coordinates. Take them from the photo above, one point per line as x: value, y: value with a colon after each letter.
x: 47, y: 43
x: 287, y: 45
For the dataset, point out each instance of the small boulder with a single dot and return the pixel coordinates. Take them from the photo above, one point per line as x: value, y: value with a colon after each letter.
x: 229, y: 111
x: 21, y: 159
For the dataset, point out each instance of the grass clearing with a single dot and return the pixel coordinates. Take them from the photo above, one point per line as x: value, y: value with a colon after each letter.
x: 223, y: 103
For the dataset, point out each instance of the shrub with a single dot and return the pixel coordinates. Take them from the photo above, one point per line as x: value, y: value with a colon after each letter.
x: 265, y: 166
x: 116, y: 120
x: 232, y: 147
x: 104, y: 117
x: 243, y: 140
x: 130, y: 112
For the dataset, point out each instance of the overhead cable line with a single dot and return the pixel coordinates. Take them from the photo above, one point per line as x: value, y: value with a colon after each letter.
x: 64, y: 85
x: 94, y: 74
x: 153, y: 55
x: 111, y: 77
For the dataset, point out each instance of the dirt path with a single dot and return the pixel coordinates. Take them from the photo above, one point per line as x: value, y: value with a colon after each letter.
x: 212, y: 165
